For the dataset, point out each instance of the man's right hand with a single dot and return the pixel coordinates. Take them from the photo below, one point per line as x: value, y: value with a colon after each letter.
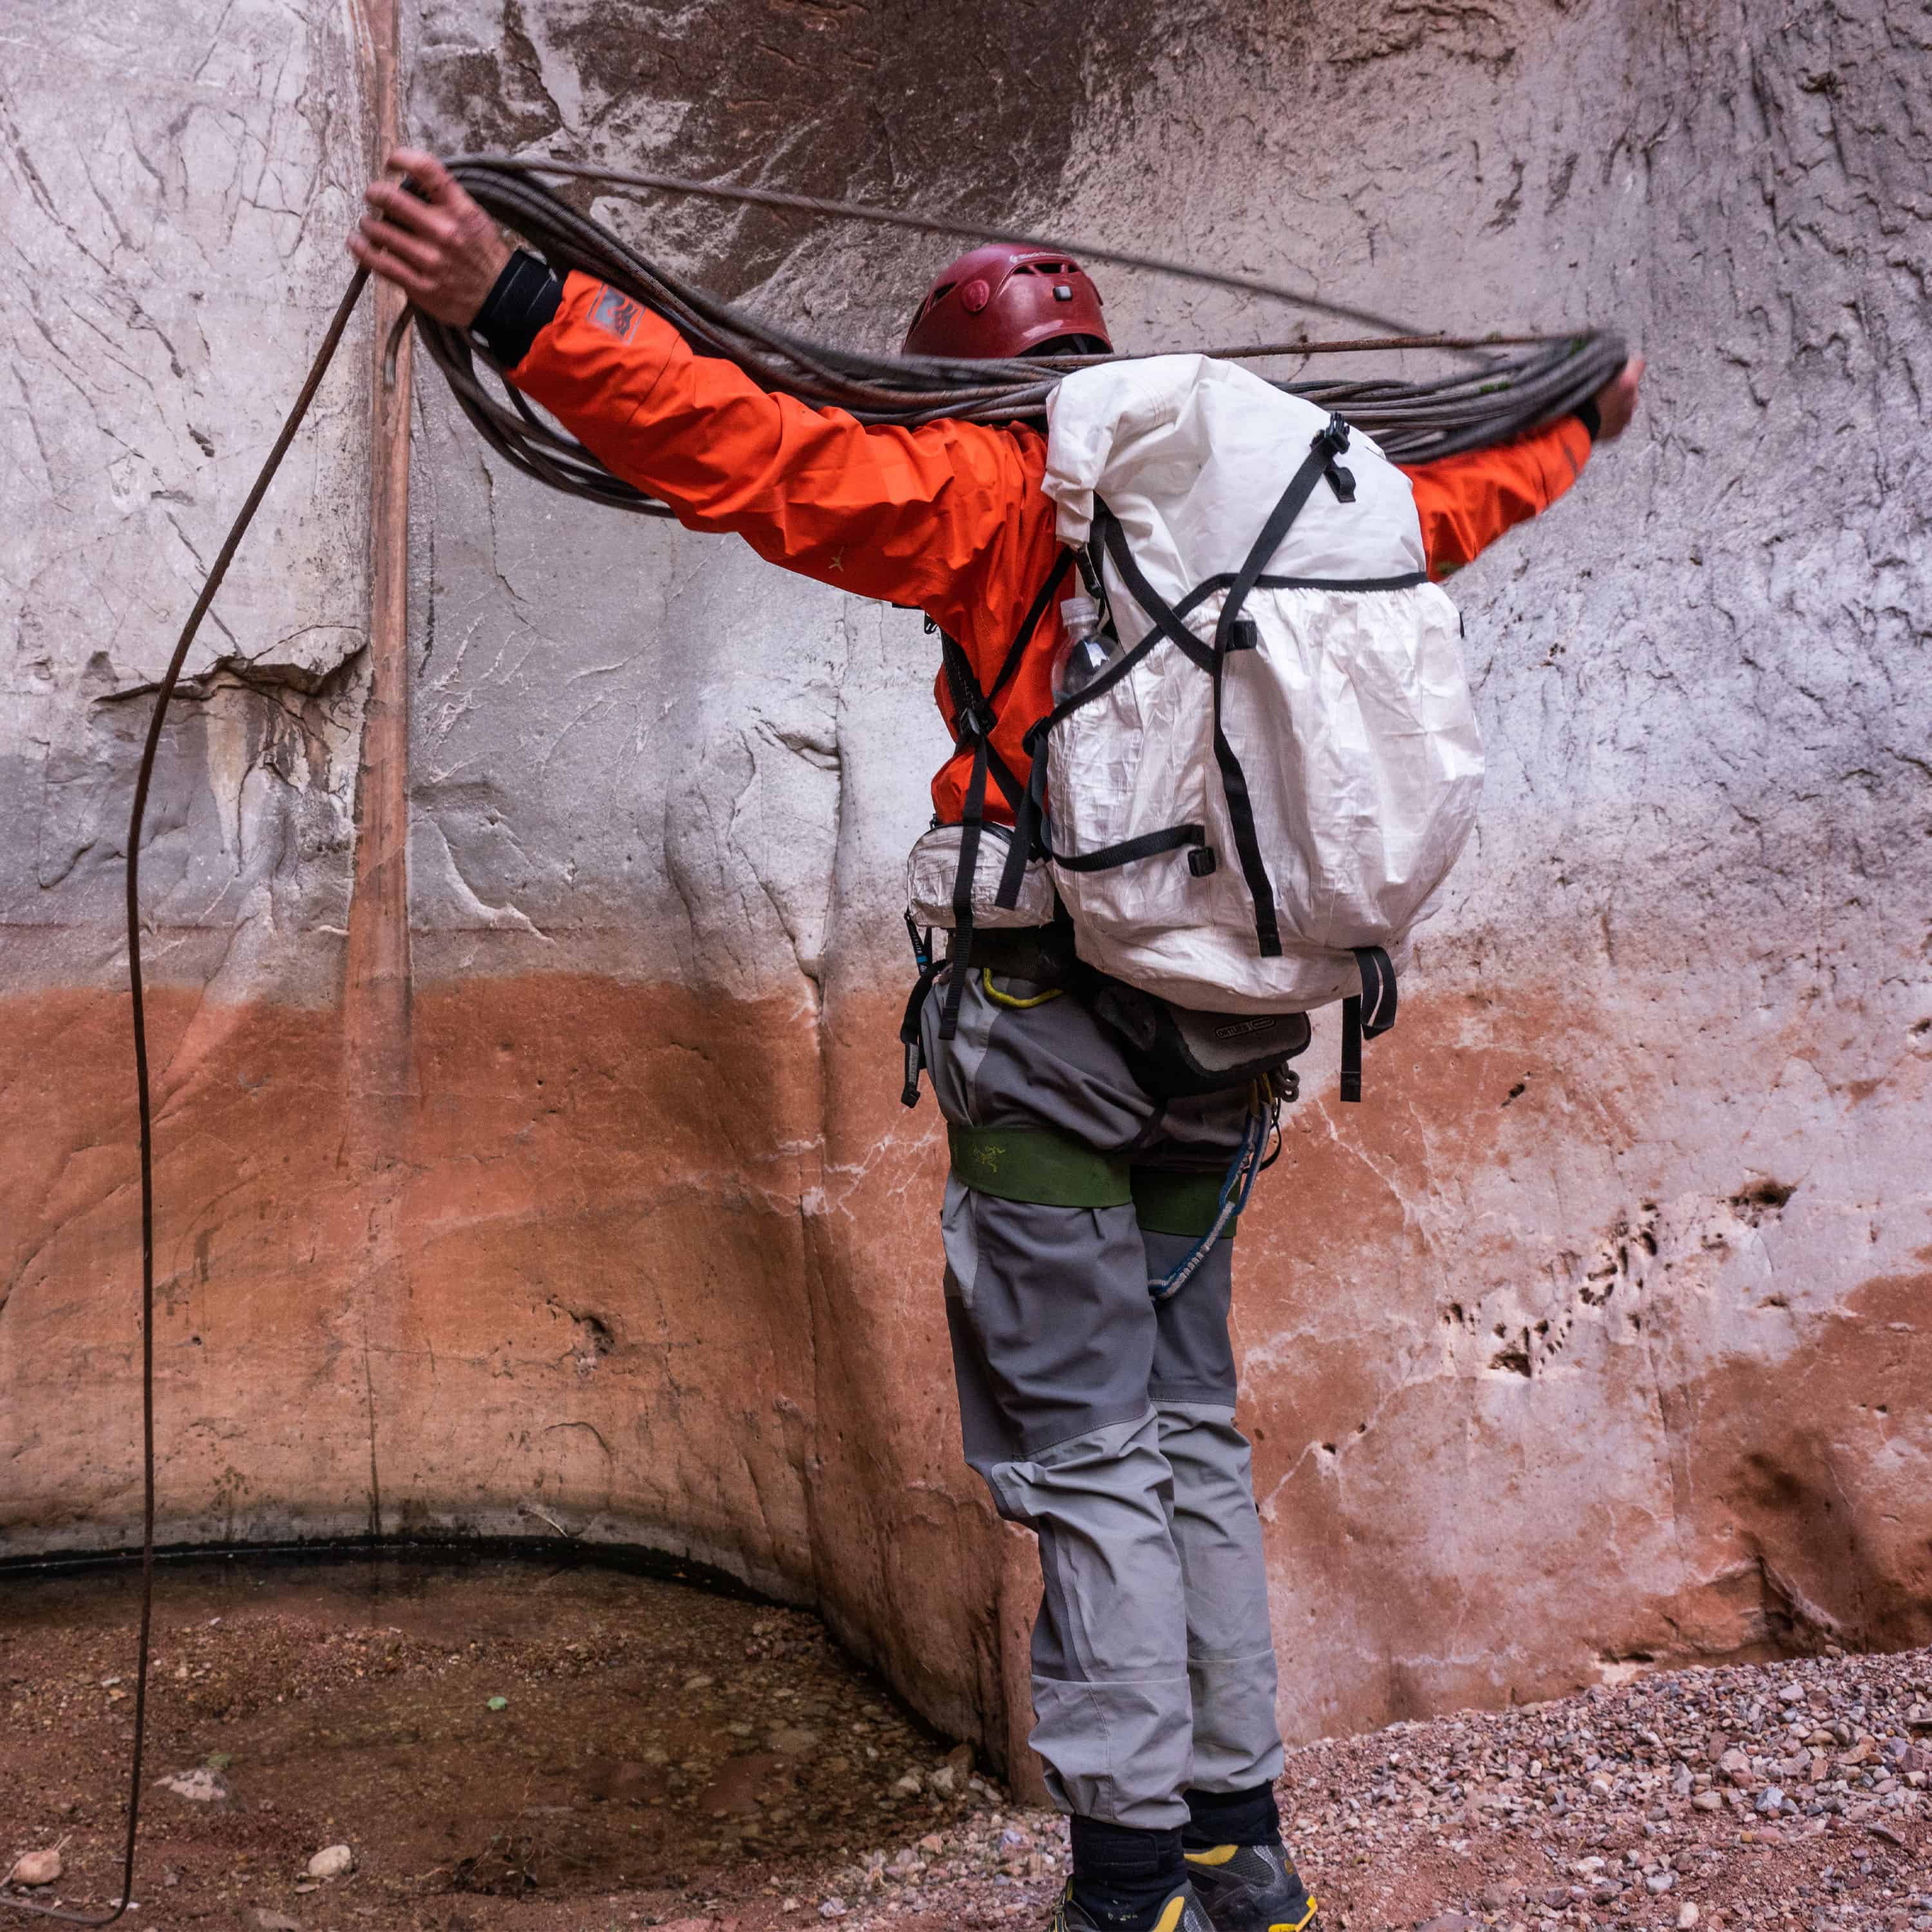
x: 1616, y: 400
x: 436, y: 245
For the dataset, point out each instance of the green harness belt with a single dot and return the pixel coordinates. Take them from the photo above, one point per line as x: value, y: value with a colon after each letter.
x: 1053, y: 1170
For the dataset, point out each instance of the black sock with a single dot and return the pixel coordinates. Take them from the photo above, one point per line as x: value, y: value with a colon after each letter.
x: 1122, y: 1875
x: 1247, y: 1817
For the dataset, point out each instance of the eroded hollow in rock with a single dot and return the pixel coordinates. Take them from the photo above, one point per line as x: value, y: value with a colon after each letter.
x: 472, y: 1727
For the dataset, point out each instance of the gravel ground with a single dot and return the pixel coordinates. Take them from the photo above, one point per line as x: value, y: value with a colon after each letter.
x: 501, y: 1745
x: 1791, y: 1794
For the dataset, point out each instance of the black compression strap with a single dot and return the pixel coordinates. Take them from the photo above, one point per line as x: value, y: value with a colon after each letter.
x: 1366, y: 1014
x: 1166, y: 622
x: 1037, y: 610
x: 1197, y: 652
x: 909, y: 1032
x: 971, y: 707
x: 1027, y: 813
x: 972, y: 817
x: 1206, y: 588
x: 1351, y: 1047
x: 1325, y: 448
x: 973, y: 716
x: 961, y: 686
x: 1174, y: 839
x: 1025, y: 821
x: 1407, y: 581
x: 523, y: 299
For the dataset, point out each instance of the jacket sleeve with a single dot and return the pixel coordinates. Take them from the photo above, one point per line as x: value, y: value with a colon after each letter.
x: 1466, y: 502
x: 928, y: 517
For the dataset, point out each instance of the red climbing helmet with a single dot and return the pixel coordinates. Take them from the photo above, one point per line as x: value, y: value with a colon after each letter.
x: 1001, y: 301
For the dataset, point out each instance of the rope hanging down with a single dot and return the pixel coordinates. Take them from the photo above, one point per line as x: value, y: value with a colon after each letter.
x: 1504, y: 394
x: 144, y: 777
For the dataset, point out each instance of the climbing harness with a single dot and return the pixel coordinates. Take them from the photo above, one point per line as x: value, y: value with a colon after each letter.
x: 1044, y: 1168
x: 1514, y: 382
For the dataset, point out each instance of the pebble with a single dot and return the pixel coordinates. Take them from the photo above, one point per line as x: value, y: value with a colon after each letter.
x: 36, y: 1867
x: 200, y: 1785
x: 332, y: 1862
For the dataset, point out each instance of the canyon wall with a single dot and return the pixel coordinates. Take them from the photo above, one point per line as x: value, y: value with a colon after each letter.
x: 1599, y: 1334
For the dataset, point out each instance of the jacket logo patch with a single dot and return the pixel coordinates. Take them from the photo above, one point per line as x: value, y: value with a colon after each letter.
x: 616, y: 314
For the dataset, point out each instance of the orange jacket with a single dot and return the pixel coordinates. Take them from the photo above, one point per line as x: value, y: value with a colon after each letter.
x: 949, y: 518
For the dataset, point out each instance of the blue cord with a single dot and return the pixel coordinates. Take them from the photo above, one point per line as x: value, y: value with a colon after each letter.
x: 1235, y: 1189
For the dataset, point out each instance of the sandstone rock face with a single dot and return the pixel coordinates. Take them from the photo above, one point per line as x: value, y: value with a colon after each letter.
x: 1598, y: 1334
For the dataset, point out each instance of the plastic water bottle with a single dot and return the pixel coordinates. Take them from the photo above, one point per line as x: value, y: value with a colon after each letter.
x: 1084, y: 653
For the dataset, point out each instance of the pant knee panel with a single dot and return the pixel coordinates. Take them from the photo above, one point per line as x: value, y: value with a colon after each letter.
x: 1121, y: 1752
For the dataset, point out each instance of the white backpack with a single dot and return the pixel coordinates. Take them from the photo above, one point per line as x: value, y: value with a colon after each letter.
x: 1259, y: 796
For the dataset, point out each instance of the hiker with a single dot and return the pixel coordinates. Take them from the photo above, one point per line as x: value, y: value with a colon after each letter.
x: 1099, y: 1415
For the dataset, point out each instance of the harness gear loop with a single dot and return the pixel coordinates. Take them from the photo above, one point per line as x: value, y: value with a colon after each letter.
x: 1011, y: 1002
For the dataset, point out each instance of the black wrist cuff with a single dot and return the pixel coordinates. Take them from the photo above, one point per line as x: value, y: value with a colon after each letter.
x: 1588, y: 415
x: 1247, y: 1817
x: 526, y: 295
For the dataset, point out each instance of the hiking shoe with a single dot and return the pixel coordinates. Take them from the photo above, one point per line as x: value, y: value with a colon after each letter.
x: 1181, y: 1913
x: 1251, y: 1889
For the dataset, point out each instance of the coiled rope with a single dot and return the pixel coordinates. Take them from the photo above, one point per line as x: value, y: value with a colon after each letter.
x: 1504, y: 393
x: 1515, y: 382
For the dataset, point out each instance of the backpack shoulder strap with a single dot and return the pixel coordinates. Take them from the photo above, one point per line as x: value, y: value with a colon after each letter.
x: 973, y: 723
x: 974, y: 715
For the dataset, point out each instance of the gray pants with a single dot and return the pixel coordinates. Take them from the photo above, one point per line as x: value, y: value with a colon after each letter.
x: 1105, y: 1423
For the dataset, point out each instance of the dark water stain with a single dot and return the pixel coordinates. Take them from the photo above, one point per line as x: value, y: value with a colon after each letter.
x: 976, y: 108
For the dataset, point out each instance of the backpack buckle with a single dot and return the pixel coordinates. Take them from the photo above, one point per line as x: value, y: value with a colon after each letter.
x: 975, y: 719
